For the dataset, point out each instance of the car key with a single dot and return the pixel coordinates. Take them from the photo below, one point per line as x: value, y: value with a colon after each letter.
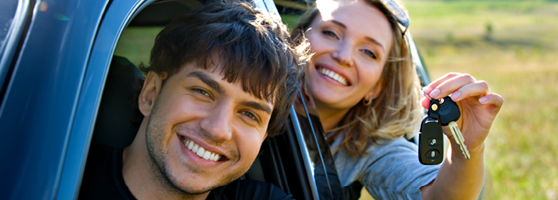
x: 449, y: 114
x: 431, y: 140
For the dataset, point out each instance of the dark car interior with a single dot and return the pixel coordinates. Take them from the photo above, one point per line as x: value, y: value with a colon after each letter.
x: 281, y: 159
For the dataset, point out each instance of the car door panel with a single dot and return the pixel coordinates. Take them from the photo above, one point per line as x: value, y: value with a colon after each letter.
x: 117, y: 16
x: 40, y: 99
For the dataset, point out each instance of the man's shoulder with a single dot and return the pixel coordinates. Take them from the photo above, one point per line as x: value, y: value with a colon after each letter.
x: 99, y: 151
x: 248, y: 189
x: 99, y: 159
x: 100, y: 178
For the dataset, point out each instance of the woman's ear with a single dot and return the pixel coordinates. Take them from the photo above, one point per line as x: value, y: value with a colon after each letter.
x: 376, y: 90
x: 150, y: 91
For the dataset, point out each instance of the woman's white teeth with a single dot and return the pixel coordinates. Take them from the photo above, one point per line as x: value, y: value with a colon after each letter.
x: 201, y: 152
x: 333, y: 76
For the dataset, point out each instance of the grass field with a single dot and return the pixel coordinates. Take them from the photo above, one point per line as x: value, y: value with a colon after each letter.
x: 514, y: 47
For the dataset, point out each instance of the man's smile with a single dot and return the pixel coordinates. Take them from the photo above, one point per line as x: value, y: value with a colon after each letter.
x: 200, y: 151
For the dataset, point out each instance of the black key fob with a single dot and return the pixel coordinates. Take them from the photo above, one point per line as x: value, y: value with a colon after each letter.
x: 448, y: 111
x: 431, y: 142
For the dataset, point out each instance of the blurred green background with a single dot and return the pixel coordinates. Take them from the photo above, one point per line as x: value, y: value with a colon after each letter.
x: 513, y: 46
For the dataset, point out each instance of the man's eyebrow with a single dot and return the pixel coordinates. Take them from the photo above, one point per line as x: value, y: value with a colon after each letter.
x: 367, y: 38
x: 215, y: 85
x: 207, y: 80
x: 257, y: 106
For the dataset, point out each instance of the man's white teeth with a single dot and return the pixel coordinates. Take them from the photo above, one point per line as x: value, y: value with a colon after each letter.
x: 201, y: 152
x: 333, y: 75
x: 190, y: 144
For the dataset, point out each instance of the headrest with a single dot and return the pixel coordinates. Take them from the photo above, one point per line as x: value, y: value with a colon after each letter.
x: 119, y: 117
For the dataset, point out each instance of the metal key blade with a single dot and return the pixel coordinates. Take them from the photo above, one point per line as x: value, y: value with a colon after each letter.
x: 459, y: 139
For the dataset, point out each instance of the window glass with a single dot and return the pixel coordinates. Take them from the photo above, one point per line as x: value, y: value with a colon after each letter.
x: 136, y: 43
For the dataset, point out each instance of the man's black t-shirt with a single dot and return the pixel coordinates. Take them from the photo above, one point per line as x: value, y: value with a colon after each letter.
x: 103, y: 179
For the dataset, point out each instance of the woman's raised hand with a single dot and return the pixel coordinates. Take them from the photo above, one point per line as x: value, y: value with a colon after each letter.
x: 478, y: 106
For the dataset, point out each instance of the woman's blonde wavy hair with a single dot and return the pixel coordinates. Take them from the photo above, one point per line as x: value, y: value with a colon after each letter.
x: 396, y: 111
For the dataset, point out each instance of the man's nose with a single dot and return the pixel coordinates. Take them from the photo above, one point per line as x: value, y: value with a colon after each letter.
x: 343, y: 54
x: 218, y: 123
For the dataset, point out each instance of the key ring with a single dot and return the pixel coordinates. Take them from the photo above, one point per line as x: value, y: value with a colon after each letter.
x: 427, y: 96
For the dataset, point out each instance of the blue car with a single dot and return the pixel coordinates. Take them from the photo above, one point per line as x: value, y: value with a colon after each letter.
x: 67, y: 76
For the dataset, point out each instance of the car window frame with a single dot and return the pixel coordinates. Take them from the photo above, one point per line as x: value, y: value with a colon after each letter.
x: 12, y: 41
x: 116, y: 18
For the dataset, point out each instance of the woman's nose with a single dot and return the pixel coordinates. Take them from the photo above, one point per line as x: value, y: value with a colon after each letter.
x: 343, y: 55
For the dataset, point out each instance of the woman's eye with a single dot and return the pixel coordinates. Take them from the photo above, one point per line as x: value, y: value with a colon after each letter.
x: 250, y: 115
x: 330, y: 34
x: 369, y: 53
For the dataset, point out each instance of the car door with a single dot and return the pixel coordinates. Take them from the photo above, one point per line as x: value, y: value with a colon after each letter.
x: 43, y: 67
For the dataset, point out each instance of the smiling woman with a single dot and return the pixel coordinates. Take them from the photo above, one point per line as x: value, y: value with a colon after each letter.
x: 344, y: 48
x: 367, y: 95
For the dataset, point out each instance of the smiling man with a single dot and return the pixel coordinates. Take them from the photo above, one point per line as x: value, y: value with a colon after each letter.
x: 220, y: 81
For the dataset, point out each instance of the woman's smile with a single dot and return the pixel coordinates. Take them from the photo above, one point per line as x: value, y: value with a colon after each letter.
x: 332, y: 75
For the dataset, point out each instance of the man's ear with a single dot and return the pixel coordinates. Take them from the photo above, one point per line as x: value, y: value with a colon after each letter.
x: 150, y: 91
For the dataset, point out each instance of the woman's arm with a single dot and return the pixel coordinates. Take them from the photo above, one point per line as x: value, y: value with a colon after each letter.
x: 458, y: 177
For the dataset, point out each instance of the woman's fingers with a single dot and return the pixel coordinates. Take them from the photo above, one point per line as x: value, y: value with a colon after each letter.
x: 492, y: 99
x: 449, y: 84
x: 425, y: 102
x: 475, y: 89
x: 460, y: 86
x: 442, y: 79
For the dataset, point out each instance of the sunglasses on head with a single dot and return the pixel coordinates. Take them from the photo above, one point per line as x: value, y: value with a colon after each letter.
x: 397, y: 11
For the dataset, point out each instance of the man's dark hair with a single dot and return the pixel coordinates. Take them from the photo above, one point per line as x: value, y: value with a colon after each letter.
x: 250, y: 47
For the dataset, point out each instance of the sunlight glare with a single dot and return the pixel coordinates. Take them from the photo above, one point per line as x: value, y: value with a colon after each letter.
x: 326, y: 8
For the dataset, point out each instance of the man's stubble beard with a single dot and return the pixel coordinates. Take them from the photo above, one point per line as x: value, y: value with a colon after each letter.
x: 154, y: 137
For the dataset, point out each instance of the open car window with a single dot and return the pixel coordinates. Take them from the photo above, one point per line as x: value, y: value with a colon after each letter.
x: 298, y: 161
